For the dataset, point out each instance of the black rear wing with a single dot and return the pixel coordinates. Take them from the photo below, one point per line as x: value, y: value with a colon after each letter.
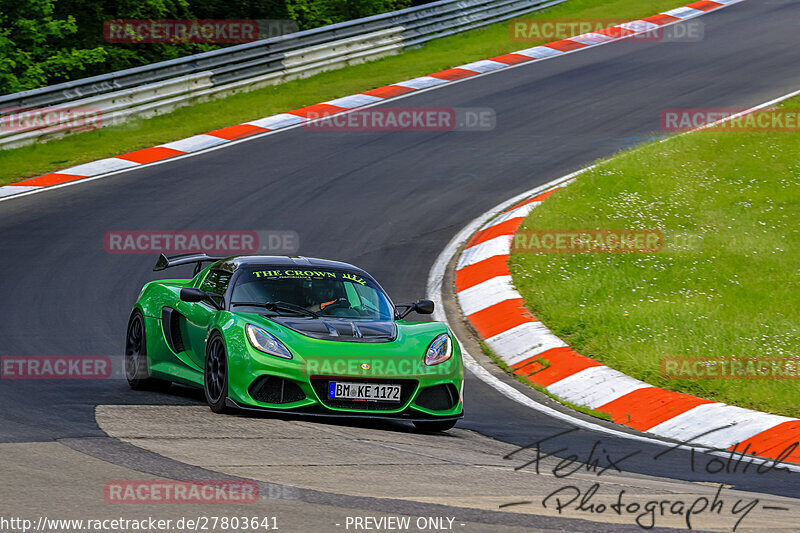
x: 184, y: 259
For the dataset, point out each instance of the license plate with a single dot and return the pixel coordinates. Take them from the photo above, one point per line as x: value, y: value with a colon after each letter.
x: 375, y: 392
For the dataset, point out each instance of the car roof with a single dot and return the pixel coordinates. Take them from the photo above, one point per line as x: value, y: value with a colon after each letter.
x: 233, y: 263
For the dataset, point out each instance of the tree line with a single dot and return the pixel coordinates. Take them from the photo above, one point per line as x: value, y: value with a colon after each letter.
x: 43, y: 42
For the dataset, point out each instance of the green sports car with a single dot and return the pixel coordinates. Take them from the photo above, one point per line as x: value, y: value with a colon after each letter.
x: 294, y: 334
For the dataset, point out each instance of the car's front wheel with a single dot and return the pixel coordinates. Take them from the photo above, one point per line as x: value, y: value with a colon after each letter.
x: 136, y: 371
x: 215, y: 382
x: 434, y: 426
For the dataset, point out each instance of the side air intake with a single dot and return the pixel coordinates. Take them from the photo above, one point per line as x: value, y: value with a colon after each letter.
x: 170, y: 323
x: 438, y: 398
x: 272, y: 389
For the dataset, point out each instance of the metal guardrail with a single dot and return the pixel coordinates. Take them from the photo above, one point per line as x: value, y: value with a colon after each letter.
x: 149, y: 90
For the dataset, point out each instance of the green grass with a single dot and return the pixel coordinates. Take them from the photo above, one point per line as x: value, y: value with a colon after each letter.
x: 727, y: 283
x: 34, y: 160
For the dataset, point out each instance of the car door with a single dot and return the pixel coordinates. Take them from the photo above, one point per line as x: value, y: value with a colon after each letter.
x: 200, y: 314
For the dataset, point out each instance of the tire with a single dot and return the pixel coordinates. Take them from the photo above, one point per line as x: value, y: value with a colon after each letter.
x: 215, y: 374
x: 434, y: 426
x: 136, y: 370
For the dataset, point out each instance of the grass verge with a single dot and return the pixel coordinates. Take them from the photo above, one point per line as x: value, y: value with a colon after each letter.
x: 726, y: 284
x: 38, y: 159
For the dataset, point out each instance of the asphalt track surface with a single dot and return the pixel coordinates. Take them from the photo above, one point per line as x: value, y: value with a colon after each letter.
x: 386, y: 201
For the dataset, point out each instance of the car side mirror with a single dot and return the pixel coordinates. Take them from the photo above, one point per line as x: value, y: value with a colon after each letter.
x: 423, y: 307
x: 192, y: 295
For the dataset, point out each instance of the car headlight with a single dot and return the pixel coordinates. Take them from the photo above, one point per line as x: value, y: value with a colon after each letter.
x: 264, y: 341
x: 440, y: 350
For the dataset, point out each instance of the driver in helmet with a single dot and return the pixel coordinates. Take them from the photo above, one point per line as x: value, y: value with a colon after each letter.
x: 323, y: 293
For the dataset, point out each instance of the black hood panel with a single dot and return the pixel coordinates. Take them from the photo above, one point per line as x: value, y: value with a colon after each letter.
x: 340, y: 329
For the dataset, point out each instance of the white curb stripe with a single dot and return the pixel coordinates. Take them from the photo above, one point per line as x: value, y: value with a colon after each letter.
x: 523, y: 342
x: 595, y: 386
x: 539, y: 52
x: 484, y: 65
x: 486, y: 294
x: 8, y: 190
x: 591, y: 38
x: 280, y: 120
x: 355, y: 100
x: 498, y: 246
x: 519, y: 212
x: 745, y: 424
x: 639, y: 26
x: 423, y: 82
x: 195, y: 143
x: 684, y: 12
x: 101, y: 166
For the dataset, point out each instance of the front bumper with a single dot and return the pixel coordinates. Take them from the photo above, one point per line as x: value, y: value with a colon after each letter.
x: 297, y: 385
x: 427, y: 399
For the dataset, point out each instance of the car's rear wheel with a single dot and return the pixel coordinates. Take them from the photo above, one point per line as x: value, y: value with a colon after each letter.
x: 215, y: 381
x: 136, y: 370
x: 434, y: 426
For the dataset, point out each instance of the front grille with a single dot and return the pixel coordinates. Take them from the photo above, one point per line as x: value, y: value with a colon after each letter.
x: 272, y: 389
x: 438, y: 398
x: 407, y: 388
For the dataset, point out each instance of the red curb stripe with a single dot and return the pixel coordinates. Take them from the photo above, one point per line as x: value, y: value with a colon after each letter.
x: 317, y: 110
x: 453, y: 74
x: 509, y: 227
x: 615, y: 31
x: 774, y: 441
x: 661, y: 19
x: 472, y: 275
x: 511, y: 59
x: 643, y: 409
x: 47, y: 180
x: 237, y: 132
x: 544, y: 195
x: 540, y: 197
x: 500, y: 317
x: 564, y: 362
x: 705, y: 5
x: 148, y: 155
x: 565, y: 45
x: 389, y: 91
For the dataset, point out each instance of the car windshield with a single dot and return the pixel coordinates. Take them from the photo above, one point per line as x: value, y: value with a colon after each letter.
x: 312, y: 293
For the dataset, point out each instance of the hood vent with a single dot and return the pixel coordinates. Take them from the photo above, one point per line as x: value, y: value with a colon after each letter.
x: 340, y: 329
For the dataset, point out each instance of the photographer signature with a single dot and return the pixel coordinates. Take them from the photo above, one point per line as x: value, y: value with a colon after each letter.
x: 646, y: 513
